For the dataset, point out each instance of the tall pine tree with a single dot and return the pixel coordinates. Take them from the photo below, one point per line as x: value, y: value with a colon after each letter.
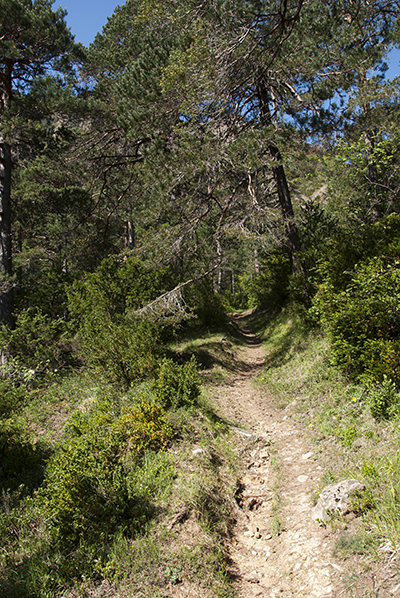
x: 33, y: 39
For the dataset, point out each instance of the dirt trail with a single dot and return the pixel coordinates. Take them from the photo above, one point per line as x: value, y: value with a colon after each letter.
x: 277, y: 549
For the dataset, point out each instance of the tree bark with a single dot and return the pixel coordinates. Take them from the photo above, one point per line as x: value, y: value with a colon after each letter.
x: 129, y: 241
x: 219, y: 259
x: 282, y: 187
x: 6, y: 289
x: 285, y: 203
x: 6, y: 292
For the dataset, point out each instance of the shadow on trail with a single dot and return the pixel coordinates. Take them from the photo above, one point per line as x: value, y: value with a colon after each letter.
x: 212, y: 354
x: 244, y: 335
x: 285, y: 336
x: 223, y: 352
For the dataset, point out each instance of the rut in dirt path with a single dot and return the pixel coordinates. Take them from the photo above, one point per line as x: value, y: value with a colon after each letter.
x: 277, y: 548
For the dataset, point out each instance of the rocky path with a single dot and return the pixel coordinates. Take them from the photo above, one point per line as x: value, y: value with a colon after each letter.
x: 277, y: 548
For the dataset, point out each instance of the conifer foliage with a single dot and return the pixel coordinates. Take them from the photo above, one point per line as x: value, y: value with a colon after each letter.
x: 33, y: 39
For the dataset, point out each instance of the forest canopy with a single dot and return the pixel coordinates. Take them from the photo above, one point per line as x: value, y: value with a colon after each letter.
x: 239, y: 145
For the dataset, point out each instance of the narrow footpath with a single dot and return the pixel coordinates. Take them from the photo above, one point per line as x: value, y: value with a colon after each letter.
x: 277, y: 549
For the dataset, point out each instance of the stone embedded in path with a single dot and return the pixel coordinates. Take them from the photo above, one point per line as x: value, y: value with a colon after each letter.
x: 245, y: 433
x: 307, y: 455
x: 302, y: 478
x: 335, y: 498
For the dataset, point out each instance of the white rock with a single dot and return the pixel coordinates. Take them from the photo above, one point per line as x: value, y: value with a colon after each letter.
x: 335, y: 498
x: 302, y: 478
x: 307, y: 455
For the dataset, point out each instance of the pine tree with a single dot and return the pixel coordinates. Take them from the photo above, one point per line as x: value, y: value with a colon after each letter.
x: 216, y: 95
x: 268, y: 66
x: 33, y: 38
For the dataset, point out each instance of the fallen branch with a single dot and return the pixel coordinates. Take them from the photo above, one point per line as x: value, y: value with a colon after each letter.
x: 170, y: 302
x: 183, y: 513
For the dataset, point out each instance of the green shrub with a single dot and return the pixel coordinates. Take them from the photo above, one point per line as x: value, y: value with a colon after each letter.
x: 122, y: 351
x: 317, y: 228
x: 88, y: 485
x: 114, y: 340
x: 40, y: 281
x: 177, y: 385
x: 12, y: 395
x: 384, y: 400
x: 37, y: 342
x: 331, y: 251
x: 364, y: 321
x: 347, y: 435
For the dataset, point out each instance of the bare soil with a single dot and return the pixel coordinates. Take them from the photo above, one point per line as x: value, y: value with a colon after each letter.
x: 277, y: 549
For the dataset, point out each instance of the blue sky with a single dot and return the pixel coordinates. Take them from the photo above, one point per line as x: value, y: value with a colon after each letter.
x: 394, y: 68
x: 87, y: 17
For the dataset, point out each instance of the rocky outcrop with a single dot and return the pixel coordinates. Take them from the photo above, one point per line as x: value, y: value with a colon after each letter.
x: 335, y: 499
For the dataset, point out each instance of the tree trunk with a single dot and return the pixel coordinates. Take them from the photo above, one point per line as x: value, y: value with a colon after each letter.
x: 219, y: 258
x: 284, y: 198
x: 129, y: 235
x: 285, y: 203
x: 6, y: 292
x: 6, y: 288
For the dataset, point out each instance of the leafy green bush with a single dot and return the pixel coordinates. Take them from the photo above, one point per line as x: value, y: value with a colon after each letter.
x: 331, y: 250
x: 364, y: 321
x: 37, y: 342
x: 318, y: 231
x: 40, y: 282
x: 384, y: 400
x: 11, y: 396
x: 90, y: 484
x: 177, y: 385
x: 120, y: 344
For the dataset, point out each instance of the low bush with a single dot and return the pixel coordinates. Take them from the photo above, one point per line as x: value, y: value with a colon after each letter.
x: 177, y: 385
x: 90, y: 483
x: 12, y: 395
x: 37, y: 341
x: 113, y: 338
x: 384, y: 400
x: 364, y: 321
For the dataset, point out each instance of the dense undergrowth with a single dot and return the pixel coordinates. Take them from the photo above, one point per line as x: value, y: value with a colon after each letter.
x: 133, y: 486
x: 101, y: 484
x: 106, y: 435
